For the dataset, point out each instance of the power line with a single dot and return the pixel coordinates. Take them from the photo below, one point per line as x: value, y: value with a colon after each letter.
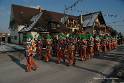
x: 73, y: 5
x: 70, y: 8
x: 117, y: 25
x: 109, y: 14
x: 119, y: 21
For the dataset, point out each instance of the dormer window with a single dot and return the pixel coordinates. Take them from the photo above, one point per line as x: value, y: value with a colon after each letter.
x: 54, y: 25
x: 58, y: 25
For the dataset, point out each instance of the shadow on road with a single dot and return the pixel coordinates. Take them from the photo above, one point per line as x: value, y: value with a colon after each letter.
x: 112, y: 57
x: 95, y: 71
x: 2, y: 52
x: 117, y: 56
x: 17, y: 61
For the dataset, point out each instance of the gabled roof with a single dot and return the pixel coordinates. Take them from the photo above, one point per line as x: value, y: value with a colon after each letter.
x: 89, y: 19
x: 56, y: 16
x: 34, y: 20
x: 22, y: 15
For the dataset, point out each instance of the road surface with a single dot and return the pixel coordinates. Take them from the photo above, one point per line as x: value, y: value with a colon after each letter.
x: 12, y: 69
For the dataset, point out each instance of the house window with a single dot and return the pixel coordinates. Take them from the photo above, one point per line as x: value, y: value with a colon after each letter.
x: 55, y: 25
x: 12, y: 37
x: 58, y: 25
x: 24, y: 37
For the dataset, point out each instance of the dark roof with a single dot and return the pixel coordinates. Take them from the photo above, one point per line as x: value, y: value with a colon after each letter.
x: 56, y: 16
x: 22, y: 15
x: 89, y: 19
x: 92, y: 13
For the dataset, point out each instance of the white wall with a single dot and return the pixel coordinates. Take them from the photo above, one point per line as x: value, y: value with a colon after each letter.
x: 13, y: 35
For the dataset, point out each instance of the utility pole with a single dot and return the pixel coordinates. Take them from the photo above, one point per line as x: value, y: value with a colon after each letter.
x: 67, y: 9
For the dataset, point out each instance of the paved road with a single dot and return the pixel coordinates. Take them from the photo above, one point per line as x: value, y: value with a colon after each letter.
x: 12, y: 70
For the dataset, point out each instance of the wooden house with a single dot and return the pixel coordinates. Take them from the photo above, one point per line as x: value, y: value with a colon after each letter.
x: 93, y: 23
x: 26, y: 20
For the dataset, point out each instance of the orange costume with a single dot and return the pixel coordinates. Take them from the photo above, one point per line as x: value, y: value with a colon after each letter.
x: 60, y: 53
x: 90, y: 50
x: 31, y: 65
x: 96, y: 46
x: 69, y: 54
x: 48, y: 50
x: 39, y: 49
x: 83, y: 50
x: 104, y: 45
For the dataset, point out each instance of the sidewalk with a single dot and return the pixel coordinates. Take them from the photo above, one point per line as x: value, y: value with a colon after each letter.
x: 16, y: 47
x: 119, y: 50
x: 7, y: 47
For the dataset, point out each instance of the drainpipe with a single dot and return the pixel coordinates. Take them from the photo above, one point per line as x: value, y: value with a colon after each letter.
x: 105, y: 29
x: 19, y: 42
x: 6, y: 38
x: 0, y: 40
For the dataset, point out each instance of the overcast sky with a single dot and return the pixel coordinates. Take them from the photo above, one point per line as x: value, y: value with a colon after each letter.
x: 113, y: 10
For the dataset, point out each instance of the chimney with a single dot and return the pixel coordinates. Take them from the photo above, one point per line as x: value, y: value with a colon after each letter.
x: 81, y: 19
x: 39, y: 8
